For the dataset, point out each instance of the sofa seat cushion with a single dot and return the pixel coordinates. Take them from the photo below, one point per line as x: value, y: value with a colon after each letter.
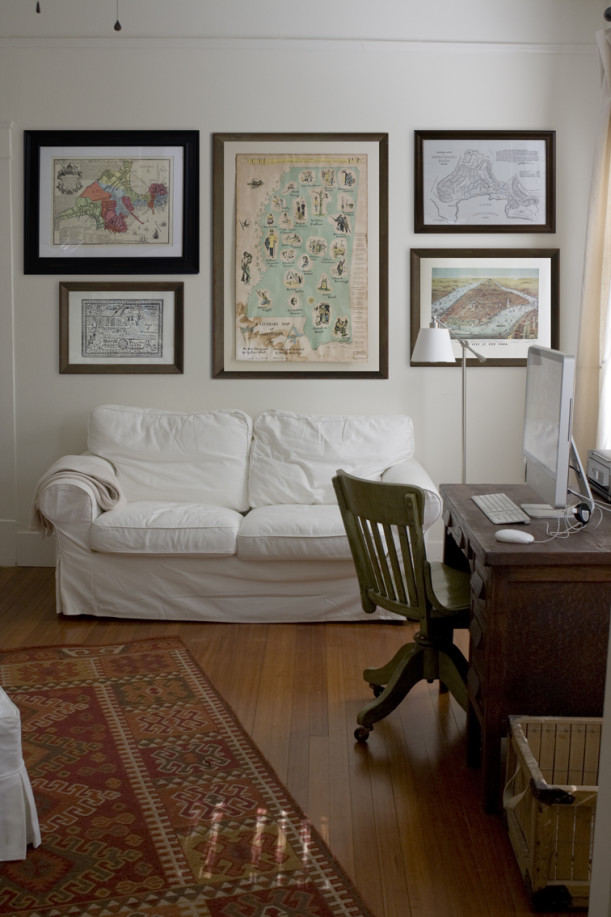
x: 293, y: 532
x: 166, y: 528
x: 295, y: 456
x: 178, y: 456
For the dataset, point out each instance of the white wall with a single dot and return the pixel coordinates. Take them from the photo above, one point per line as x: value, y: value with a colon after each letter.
x: 236, y: 66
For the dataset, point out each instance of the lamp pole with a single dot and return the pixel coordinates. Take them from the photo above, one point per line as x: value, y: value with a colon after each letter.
x: 465, y: 346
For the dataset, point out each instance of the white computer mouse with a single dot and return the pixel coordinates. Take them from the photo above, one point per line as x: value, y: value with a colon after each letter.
x: 515, y: 535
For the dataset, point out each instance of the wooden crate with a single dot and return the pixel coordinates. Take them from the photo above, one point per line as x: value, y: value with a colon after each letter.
x: 550, y: 805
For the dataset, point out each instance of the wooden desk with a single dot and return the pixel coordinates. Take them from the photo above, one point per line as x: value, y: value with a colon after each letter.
x: 539, y: 622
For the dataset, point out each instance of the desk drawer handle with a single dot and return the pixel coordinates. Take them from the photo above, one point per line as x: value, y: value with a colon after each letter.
x: 473, y: 682
x: 476, y: 632
x: 478, y: 586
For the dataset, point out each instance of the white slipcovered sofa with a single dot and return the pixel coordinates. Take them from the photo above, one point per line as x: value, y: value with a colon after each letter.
x: 211, y: 516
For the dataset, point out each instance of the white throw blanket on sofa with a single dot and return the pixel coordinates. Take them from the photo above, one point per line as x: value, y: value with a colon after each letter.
x: 90, y: 469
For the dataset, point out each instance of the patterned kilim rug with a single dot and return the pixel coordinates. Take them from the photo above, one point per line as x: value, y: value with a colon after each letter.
x: 152, y: 799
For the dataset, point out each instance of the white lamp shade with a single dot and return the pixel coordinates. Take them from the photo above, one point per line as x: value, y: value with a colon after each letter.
x: 433, y: 345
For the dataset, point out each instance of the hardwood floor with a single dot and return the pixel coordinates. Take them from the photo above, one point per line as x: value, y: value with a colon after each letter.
x: 402, y: 813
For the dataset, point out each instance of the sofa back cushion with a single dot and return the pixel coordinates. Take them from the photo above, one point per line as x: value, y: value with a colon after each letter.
x: 295, y: 456
x: 181, y: 457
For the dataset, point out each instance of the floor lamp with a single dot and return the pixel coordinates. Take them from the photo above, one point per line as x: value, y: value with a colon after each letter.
x: 434, y: 345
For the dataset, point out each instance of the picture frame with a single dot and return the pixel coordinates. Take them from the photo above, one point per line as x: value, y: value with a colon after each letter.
x: 510, y: 300
x: 121, y: 201
x: 121, y: 327
x: 484, y: 181
x: 300, y: 275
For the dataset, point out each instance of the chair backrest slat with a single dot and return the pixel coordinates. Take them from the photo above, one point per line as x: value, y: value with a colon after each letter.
x: 384, y: 527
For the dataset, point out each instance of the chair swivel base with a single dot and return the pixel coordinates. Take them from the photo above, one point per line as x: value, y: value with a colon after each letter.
x: 424, y: 659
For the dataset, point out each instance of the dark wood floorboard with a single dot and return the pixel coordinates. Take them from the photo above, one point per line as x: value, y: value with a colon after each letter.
x: 402, y: 813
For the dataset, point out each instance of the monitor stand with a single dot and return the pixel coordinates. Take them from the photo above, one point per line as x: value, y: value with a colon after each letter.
x: 545, y: 511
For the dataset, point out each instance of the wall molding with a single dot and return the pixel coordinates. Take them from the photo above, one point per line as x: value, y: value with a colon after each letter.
x: 379, y: 46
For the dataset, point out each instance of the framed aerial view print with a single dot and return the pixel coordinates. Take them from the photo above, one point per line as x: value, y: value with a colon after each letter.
x: 300, y: 248
x: 500, y: 300
x: 484, y: 181
x: 121, y: 327
x: 120, y: 202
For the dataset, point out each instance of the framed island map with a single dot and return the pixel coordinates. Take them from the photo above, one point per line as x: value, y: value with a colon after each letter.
x: 300, y: 255
x: 484, y: 181
x: 111, y: 201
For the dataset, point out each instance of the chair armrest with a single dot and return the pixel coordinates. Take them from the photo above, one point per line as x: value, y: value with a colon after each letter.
x: 412, y: 472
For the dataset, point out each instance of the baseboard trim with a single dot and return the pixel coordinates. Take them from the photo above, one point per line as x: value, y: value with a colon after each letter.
x: 34, y: 550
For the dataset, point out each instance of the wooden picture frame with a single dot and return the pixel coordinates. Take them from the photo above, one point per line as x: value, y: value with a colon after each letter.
x: 500, y: 300
x: 121, y: 327
x: 125, y: 202
x: 485, y: 181
x: 300, y: 252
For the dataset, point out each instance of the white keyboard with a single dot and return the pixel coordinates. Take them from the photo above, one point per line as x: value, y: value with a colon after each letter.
x: 500, y: 509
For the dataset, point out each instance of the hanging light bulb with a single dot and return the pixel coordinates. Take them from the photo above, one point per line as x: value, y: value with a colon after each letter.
x: 38, y: 6
x: 117, y: 23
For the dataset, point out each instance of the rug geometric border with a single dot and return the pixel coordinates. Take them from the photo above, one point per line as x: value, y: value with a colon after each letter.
x: 152, y: 798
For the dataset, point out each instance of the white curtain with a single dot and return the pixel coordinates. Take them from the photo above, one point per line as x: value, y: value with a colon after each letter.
x: 592, y: 427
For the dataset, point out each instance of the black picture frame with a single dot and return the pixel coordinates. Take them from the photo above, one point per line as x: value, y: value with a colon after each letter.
x: 49, y: 249
x: 225, y: 228
x: 484, y: 181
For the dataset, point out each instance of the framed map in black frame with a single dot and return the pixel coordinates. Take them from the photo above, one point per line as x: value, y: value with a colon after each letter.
x: 120, y: 202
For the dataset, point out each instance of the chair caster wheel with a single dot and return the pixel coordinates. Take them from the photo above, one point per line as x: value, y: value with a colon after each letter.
x: 361, y: 733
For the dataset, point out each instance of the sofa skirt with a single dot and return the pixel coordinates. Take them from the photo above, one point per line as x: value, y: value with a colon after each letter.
x: 224, y: 589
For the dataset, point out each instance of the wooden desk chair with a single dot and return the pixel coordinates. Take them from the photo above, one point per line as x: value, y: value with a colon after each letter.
x: 383, y: 523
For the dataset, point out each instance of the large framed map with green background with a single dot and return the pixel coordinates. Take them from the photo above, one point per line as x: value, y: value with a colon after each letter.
x: 300, y: 251
x: 122, y: 202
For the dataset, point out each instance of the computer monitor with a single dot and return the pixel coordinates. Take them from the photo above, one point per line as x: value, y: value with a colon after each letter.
x: 548, y: 447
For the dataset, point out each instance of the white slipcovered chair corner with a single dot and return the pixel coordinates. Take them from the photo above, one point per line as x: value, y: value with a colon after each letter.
x: 18, y: 817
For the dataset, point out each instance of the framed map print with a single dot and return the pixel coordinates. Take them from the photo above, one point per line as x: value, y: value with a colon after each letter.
x: 111, y: 201
x: 501, y: 300
x: 300, y: 253
x: 121, y: 327
x: 484, y: 181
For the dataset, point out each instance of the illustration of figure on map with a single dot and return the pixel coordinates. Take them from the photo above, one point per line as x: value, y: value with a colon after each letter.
x: 322, y: 314
x: 264, y: 299
x: 319, y: 201
x: 300, y: 210
x: 341, y: 221
x: 339, y: 268
x: 245, y: 265
x: 341, y: 327
x: 271, y: 241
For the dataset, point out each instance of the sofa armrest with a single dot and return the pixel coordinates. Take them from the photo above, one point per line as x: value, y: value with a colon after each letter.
x: 64, y: 501
x: 76, y: 488
x: 412, y: 472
